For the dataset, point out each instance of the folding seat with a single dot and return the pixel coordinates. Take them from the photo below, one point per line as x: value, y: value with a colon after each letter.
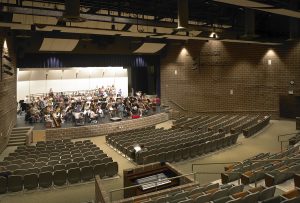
x: 177, y: 155
x: 203, y: 198
x: 193, y: 151
x: 66, y: 141
x: 32, y: 170
x: 78, y: 159
x: 59, y: 177
x: 30, y: 160
x: 31, y: 181
x: 267, y: 193
x: 52, y: 158
x: 101, y: 156
x: 53, y: 162
x: 208, y: 147
x: 186, y: 201
x: 161, y: 157
x: 90, y: 157
x: 150, y: 159
x: 220, y: 143
x: 65, y: 161
x: 21, y: 157
x: 14, y: 183
x: 9, y: 158
x: 46, y: 168
x: 111, y: 169
x: 201, y: 148
x: 40, y: 164
x: 106, y: 160
x: 20, y: 172
x: 45, y: 179
x: 26, y: 165
x: 74, y: 175
x: 78, y: 143
x: 95, y: 162
x: 12, y: 167
x: 3, y: 185
x: 185, y: 153
x: 42, y: 159
x: 4, y: 163
x: 219, y: 194
x: 250, y: 198
x: 17, y: 161
x: 169, y: 156
x: 65, y: 156
x: 235, y: 189
x: 87, y: 173
x: 99, y: 169
x: 83, y: 163
x: 59, y: 167
x: 71, y: 165
x: 54, y: 154
x: 87, y: 154
x: 76, y: 153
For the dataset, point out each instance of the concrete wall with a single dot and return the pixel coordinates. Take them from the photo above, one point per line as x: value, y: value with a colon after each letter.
x: 104, y: 129
x: 8, y: 105
x: 215, y: 76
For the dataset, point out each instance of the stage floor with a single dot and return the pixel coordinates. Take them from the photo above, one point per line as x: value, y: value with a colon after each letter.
x: 41, y: 125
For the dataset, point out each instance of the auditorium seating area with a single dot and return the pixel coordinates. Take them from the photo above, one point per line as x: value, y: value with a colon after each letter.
x: 251, y: 130
x: 212, y: 193
x: 54, y: 163
x: 263, y: 166
x: 188, y: 138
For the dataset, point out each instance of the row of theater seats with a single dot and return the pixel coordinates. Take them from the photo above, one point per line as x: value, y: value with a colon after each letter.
x: 263, y: 166
x: 59, y: 177
x: 186, y: 150
x: 248, y: 122
x: 251, y: 130
x: 215, y: 194
x: 169, y: 145
x: 293, y: 140
x: 55, y: 162
x: 224, y: 123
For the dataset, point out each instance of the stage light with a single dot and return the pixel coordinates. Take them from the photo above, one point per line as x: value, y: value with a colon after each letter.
x: 5, y: 45
x: 214, y: 35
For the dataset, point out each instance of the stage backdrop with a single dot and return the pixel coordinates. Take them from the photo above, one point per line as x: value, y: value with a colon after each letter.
x: 35, y: 81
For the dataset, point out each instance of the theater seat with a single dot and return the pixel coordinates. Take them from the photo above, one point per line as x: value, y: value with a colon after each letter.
x: 31, y: 181
x: 45, y: 179
x: 15, y: 183
x: 111, y: 169
x: 3, y: 185
x: 59, y: 177
x: 74, y: 175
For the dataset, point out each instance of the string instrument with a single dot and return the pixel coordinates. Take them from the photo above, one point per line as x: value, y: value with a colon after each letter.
x: 57, y: 121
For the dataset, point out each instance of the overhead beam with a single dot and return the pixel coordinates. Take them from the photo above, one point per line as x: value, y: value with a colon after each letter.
x: 98, y: 17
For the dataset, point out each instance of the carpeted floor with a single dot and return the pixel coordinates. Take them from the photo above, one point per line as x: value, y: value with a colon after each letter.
x: 265, y: 141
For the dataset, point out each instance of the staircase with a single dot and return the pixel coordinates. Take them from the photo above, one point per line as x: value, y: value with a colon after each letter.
x: 18, y: 136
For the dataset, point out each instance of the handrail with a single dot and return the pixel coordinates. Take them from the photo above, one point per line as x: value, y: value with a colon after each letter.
x: 233, y: 162
x: 178, y: 105
x: 194, y: 174
x: 139, y: 185
x: 283, y: 135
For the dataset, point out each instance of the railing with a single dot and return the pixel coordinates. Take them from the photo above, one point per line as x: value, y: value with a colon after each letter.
x: 284, y: 141
x: 194, y: 174
x: 29, y: 136
x: 178, y: 105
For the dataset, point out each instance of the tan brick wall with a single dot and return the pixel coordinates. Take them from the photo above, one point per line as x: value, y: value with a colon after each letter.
x: 223, y: 66
x: 8, y: 105
x: 104, y: 129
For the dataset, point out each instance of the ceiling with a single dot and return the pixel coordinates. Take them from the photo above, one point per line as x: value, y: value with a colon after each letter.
x: 153, y: 20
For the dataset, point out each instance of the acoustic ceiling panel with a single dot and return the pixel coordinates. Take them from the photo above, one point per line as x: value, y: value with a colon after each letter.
x: 150, y: 48
x: 55, y: 44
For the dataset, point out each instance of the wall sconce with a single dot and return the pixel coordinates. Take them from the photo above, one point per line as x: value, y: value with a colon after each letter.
x: 175, y: 72
x: 269, y: 62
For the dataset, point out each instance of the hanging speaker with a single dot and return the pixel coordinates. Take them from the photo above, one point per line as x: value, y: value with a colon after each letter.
x: 183, y: 14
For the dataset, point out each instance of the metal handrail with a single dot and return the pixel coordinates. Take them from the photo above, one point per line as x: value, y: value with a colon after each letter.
x: 233, y: 162
x: 198, y: 173
x: 181, y: 107
x: 283, y: 135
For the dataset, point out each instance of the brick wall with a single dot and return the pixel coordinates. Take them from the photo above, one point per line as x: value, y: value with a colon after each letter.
x: 215, y: 76
x: 8, y: 106
x: 104, y: 129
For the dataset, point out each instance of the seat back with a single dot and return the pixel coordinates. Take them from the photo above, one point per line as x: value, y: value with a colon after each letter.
x: 31, y: 181
x: 15, y: 183
x: 59, y: 177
